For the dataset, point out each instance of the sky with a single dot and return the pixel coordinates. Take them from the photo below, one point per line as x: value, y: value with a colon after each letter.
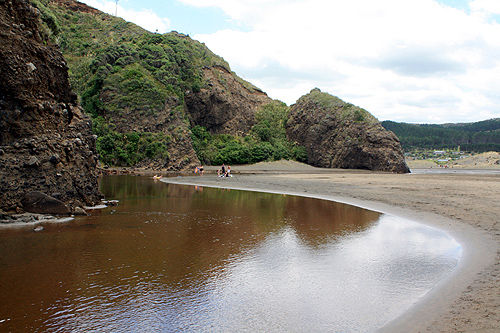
x: 415, y: 61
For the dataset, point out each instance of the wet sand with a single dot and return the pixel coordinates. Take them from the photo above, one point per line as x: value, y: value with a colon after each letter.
x: 464, y: 204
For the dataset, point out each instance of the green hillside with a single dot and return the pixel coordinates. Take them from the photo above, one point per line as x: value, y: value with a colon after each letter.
x: 124, y: 74
x: 476, y: 137
x: 124, y: 59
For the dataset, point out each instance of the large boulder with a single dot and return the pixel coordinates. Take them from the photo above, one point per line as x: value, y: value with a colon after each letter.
x: 340, y: 135
x: 40, y: 203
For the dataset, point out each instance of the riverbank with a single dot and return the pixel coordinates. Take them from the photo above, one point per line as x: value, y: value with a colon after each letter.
x: 465, y: 205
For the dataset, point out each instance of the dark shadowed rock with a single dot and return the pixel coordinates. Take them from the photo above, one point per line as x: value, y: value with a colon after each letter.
x: 227, y: 105
x: 340, y: 135
x: 41, y: 203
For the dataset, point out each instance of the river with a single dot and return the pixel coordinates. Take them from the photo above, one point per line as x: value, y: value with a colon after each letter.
x: 172, y: 258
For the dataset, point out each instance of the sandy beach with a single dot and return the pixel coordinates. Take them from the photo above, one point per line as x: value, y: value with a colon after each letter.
x: 464, y: 202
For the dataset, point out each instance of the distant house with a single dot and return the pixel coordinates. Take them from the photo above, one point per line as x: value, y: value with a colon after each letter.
x: 439, y: 152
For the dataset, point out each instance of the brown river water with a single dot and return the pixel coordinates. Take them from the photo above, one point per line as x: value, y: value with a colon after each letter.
x: 174, y: 258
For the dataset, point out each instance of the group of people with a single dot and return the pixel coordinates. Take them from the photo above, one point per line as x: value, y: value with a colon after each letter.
x: 224, y: 171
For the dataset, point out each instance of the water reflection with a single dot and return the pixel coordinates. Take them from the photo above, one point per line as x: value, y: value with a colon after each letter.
x: 184, y: 258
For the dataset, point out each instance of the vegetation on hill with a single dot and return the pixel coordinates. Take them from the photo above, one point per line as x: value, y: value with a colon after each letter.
x: 267, y: 141
x: 476, y: 137
x: 130, y: 148
x: 117, y: 67
x: 124, y: 74
x: 339, y: 108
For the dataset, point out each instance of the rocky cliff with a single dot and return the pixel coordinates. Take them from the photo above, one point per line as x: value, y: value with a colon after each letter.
x: 340, y: 135
x: 47, y: 150
x: 225, y: 105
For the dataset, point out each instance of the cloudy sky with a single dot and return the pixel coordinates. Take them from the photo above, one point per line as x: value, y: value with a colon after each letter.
x: 420, y: 61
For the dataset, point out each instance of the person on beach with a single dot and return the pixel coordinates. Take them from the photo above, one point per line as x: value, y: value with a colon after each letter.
x: 199, y: 170
x: 222, y: 171
x: 228, y: 172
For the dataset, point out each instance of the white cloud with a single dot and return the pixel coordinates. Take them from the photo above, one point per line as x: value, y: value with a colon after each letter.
x: 403, y: 60
x: 487, y: 6
x: 145, y: 18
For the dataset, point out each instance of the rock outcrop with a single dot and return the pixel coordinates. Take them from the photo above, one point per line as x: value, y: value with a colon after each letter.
x: 227, y: 106
x: 46, y: 144
x: 150, y: 84
x: 339, y: 135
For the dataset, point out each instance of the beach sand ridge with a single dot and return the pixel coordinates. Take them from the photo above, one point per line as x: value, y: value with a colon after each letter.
x: 467, y: 205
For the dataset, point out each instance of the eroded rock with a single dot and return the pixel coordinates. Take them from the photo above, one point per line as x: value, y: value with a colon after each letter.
x: 340, y: 135
x: 38, y: 112
x: 228, y: 105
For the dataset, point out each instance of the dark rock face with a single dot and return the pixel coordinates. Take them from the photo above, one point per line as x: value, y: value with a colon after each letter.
x: 339, y: 135
x: 46, y: 143
x: 227, y: 106
x: 40, y: 203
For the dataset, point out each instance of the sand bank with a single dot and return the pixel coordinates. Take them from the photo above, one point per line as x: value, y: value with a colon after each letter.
x: 465, y: 205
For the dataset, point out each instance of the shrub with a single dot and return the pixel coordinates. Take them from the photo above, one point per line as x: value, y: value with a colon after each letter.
x: 127, y: 149
x: 358, y: 116
x: 299, y: 154
x: 262, y: 151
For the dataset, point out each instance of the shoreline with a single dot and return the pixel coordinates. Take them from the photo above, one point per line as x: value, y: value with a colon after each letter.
x: 468, y: 299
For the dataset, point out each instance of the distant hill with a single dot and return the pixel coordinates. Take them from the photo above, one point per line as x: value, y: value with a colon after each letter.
x: 476, y: 137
